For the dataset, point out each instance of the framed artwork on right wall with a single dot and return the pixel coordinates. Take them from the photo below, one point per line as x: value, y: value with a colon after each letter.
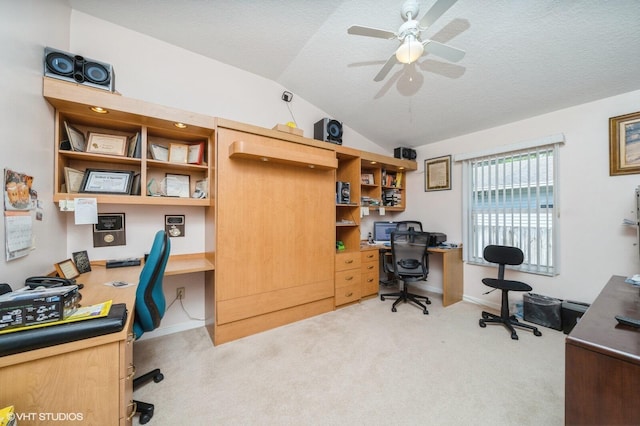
x: 624, y: 144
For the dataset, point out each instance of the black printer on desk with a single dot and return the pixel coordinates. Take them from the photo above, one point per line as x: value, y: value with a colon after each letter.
x: 436, y: 238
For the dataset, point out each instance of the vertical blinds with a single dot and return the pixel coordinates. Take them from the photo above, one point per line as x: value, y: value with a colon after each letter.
x: 511, y: 201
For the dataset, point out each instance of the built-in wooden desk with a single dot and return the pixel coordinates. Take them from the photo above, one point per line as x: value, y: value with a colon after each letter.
x: 89, y: 381
x: 452, y: 272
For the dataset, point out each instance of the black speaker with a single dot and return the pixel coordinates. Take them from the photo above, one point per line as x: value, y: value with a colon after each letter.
x: 343, y: 192
x: 328, y: 130
x: 77, y: 69
x: 406, y: 153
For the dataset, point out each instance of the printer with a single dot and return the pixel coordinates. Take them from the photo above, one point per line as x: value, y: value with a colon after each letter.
x: 436, y: 238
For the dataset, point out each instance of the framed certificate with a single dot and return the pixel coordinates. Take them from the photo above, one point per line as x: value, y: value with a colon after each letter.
x: 73, y: 179
x: 196, y: 153
x: 159, y: 152
x: 177, y: 185
x: 76, y: 138
x: 107, y: 181
x: 107, y: 144
x: 67, y: 269
x: 178, y: 153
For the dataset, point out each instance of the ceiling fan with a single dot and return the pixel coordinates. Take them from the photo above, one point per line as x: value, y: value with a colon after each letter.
x: 412, y: 47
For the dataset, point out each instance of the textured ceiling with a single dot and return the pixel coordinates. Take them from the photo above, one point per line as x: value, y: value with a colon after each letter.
x: 524, y: 58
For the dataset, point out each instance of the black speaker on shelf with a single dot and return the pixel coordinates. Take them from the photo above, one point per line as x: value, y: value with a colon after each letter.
x: 343, y: 192
x: 406, y: 153
x: 78, y: 69
x: 328, y: 130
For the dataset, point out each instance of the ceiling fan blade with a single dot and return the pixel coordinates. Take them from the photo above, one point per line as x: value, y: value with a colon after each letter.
x: 386, y: 68
x: 444, y: 51
x: 436, y: 11
x: 371, y: 32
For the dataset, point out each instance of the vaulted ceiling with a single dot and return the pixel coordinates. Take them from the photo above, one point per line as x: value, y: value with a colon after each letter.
x: 523, y: 58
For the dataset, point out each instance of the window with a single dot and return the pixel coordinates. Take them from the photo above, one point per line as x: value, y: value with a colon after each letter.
x: 510, y: 198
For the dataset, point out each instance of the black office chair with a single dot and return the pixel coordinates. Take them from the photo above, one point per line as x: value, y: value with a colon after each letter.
x: 404, y: 225
x: 409, y: 254
x: 407, y: 225
x: 505, y: 255
x: 149, y: 310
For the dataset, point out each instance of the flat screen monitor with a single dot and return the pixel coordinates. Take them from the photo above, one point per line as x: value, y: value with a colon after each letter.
x: 382, y: 231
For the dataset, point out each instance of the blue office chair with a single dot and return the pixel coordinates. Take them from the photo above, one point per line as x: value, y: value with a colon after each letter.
x: 150, y: 307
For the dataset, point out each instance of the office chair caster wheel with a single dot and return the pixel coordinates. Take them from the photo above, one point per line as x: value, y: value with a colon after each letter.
x: 514, y: 336
x: 537, y: 333
x: 382, y: 298
x: 481, y: 323
x: 485, y: 315
x: 428, y: 302
x: 394, y: 310
x: 158, y: 377
x: 425, y: 312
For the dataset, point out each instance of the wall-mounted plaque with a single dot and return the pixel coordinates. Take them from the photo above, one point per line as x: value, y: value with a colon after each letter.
x: 110, y: 230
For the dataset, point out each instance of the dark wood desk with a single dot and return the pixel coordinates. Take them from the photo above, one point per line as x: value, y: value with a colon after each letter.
x: 602, y: 361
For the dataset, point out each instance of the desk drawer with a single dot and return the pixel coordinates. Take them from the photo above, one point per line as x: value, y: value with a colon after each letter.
x: 347, y: 278
x: 369, y: 256
x: 349, y: 260
x: 370, y: 283
x: 350, y: 293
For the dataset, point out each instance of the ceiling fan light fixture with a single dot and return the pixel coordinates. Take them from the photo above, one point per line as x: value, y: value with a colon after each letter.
x: 410, y: 50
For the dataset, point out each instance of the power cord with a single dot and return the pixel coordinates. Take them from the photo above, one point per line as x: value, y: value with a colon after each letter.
x: 184, y: 310
x: 287, y: 97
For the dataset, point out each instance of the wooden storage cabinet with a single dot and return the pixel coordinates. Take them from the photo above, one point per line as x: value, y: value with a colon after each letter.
x: 370, y: 270
x: 348, y: 278
x: 139, y: 122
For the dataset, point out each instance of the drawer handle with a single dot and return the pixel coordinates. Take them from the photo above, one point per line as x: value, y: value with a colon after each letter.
x: 370, y: 267
x: 348, y: 278
x: 349, y: 294
x: 370, y: 280
x: 133, y: 371
x: 134, y: 408
x: 370, y: 256
x: 348, y: 261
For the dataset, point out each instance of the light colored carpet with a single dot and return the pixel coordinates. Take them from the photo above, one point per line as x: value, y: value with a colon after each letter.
x: 361, y: 365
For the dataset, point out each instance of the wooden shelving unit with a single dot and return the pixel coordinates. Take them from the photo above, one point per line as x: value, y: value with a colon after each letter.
x: 129, y: 117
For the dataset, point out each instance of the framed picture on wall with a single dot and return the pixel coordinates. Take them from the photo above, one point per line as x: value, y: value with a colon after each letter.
x: 624, y: 144
x: 437, y: 173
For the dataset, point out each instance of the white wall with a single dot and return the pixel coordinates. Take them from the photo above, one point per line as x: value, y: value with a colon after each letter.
x: 26, y: 27
x: 593, y: 243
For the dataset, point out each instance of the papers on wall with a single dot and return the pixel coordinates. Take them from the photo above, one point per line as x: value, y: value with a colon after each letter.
x: 86, y: 211
x: 18, y: 227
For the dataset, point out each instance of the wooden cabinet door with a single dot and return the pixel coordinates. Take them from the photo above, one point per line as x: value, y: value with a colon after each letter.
x: 274, y: 230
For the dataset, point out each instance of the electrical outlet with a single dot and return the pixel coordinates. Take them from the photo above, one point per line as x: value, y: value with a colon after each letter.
x: 180, y: 293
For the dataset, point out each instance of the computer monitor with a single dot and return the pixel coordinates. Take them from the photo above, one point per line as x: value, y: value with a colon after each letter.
x: 382, y: 231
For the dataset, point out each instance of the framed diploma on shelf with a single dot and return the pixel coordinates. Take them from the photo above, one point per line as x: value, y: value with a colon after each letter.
x: 177, y: 185
x: 159, y: 152
x: 178, y: 153
x: 196, y: 153
x: 99, y: 143
x: 107, y: 182
x: 437, y: 173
